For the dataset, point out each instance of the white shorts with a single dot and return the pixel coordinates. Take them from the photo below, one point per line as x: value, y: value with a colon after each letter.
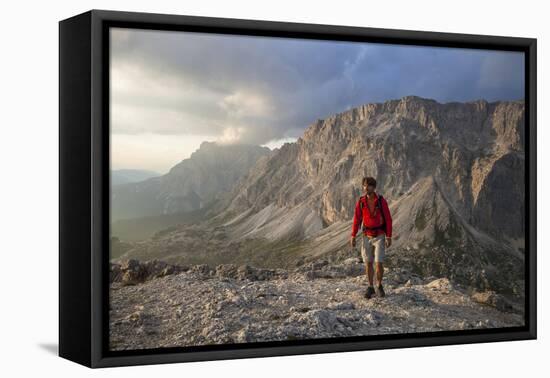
x: 373, y: 248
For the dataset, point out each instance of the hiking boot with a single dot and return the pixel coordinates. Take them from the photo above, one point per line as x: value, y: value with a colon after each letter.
x: 380, y: 291
x: 369, y: 292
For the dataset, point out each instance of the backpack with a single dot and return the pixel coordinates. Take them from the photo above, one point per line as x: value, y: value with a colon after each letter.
x: 379, y: 206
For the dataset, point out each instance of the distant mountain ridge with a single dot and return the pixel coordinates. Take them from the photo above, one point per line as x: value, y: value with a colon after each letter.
x: 126, y: 176
x: 208, y: 173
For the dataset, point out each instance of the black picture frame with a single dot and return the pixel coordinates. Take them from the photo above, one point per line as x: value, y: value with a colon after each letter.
x: 84, y: 187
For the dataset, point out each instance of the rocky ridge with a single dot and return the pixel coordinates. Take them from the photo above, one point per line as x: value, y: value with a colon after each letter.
x: 155, y: 305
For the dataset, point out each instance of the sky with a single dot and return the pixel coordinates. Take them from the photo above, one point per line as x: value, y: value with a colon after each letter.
x: 170, y: 90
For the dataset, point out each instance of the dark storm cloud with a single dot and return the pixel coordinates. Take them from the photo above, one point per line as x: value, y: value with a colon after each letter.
x: 254, y: 89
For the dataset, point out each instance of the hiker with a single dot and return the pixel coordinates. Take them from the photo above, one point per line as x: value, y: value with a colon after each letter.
x: 373, y: 212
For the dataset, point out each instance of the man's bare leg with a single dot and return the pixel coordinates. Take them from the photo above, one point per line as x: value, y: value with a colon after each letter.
x: 379, y: 273
x: 370, y: 273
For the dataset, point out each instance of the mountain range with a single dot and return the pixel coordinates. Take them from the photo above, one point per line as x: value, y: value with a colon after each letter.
x: 453, y: 175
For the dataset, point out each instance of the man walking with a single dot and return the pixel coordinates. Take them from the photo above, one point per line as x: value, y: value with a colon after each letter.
x: 373, y: 212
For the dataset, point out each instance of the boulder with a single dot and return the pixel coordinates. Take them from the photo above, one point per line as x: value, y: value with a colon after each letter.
x: 490, y: 298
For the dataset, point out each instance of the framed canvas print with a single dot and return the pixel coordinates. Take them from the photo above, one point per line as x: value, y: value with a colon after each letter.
x: 236, y: 188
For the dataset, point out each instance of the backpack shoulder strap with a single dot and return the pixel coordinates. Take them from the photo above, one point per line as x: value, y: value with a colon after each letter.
x: 379, y: 205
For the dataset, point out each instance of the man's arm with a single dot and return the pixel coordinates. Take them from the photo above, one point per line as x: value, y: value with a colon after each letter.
x: 387, y: 217
x: 357, y: 219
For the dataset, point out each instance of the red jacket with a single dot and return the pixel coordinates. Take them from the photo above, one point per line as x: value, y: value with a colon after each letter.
x: 373, y: 220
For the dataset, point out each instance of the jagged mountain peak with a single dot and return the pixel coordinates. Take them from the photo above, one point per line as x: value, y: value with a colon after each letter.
x: 415, y: 113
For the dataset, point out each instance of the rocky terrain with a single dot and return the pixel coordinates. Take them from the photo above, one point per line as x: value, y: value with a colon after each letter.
x: 154, y: 304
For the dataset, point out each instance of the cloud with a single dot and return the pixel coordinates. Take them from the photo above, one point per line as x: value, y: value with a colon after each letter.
x: 277, y: 143
x: 245, y: 89
x: 501, y: 75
